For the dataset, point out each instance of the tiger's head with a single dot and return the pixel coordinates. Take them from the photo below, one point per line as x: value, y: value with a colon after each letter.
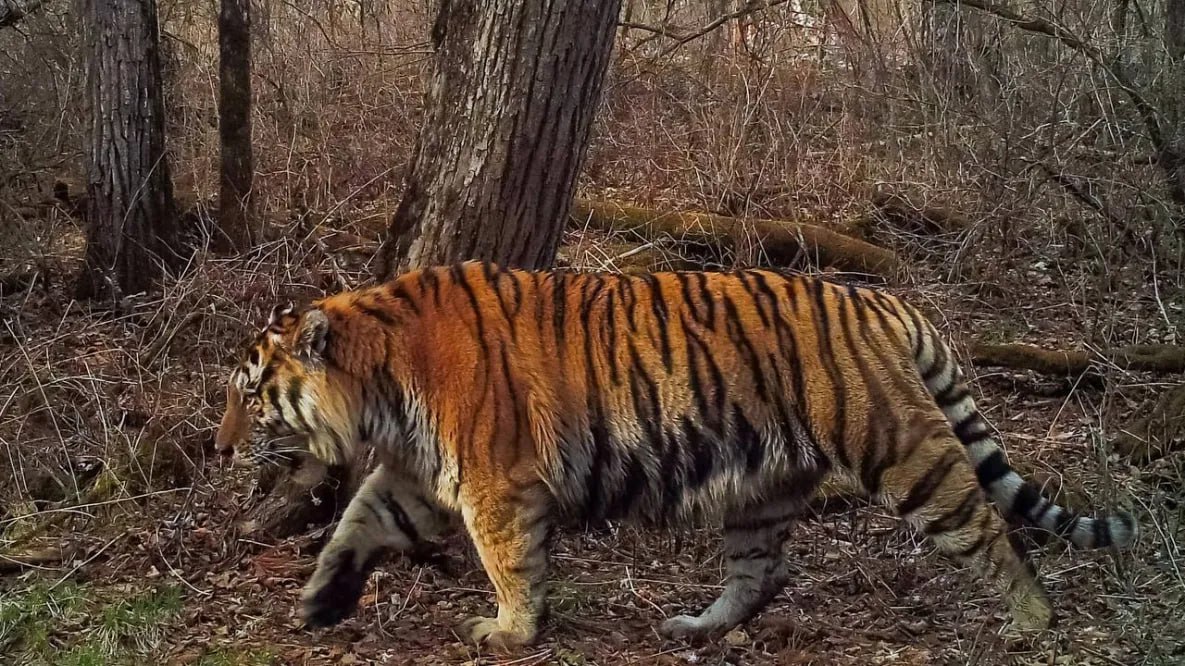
x: 283, y: 400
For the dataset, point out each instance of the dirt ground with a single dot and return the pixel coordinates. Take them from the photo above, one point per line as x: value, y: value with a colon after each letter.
x: 96, y: 383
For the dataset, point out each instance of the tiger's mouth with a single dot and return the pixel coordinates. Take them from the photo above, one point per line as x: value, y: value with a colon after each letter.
x: 281, y: 451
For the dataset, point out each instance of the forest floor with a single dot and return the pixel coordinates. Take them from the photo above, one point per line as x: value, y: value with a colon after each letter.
x: 152, y: 565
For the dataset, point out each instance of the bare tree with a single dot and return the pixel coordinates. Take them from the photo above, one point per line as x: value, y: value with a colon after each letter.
x: 1174, y: 28
x: 234, y: 123
x: 510, y: 107
x: 130, y: 193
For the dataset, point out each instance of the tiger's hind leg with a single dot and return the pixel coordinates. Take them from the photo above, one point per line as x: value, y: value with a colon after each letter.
x: 388, y: 511
x: 935, y: 489
x: 511, y: 528
x: 755, y: 566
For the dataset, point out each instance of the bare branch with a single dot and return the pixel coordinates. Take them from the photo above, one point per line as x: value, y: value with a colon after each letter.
x: 750, y: 7
x: 13, y: 11
x: 1167, y: 156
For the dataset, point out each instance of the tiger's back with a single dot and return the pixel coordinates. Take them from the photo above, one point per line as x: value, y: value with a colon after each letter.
x: 531, y: 397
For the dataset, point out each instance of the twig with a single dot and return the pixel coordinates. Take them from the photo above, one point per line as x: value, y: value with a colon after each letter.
x: 750, y: 7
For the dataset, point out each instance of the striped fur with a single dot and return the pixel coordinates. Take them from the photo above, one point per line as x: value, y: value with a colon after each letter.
x: 519, y: 400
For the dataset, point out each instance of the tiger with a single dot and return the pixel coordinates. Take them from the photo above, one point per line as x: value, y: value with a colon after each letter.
x: 517, y: 402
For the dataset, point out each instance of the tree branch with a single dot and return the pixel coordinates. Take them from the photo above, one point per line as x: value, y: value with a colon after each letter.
x: 13, y: 11
x: 750, y: 7
x: 1167, y: 156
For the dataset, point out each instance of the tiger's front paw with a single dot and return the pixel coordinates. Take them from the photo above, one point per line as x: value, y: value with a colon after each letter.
x: 332, y: 593
x: 490, y: 633
x: 690, y: 628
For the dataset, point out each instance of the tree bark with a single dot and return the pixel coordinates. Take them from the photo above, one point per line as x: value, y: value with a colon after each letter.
x: 13, y: 11
x: 130, y: 205
x: 510, y: 107
x: 234, y: 124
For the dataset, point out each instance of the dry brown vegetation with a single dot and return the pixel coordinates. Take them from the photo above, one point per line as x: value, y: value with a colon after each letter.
x: 1068, y: 238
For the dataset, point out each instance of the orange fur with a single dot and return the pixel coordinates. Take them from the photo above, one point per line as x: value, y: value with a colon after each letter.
x: 519, y: 400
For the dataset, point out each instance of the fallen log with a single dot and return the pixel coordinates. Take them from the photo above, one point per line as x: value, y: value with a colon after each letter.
x: 901, y: 213
x: 1020, y: 356
x: 782, y: 241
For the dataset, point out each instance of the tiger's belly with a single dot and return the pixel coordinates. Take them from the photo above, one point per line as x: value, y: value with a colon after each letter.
x: 684, y: 475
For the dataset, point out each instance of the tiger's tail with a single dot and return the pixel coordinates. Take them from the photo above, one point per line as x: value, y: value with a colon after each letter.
x: 1011, y: 492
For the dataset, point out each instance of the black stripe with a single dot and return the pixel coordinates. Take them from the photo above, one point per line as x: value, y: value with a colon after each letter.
x: 941, y: 358
x: 992, y: 469
x: 736, y: 333
x: 632, y: 487
x: 924, y: 488
x: 1027, y: 497
x: 758, y: 293
x: 661, y: 314
x: 706, y: 296
x: 508, y: 379
x: 649, y: 415
x: 374, y: 312
x: 716, y: 378
x: 827, y: 354
x: 432, y: 280
x: 402, y: 521
x: 609, y: 321
x: 873, y: 461
x: 398, y: 291
x: 672, y: 464
x: 1102, y: 533
x: 517, y: 287
x: 952, y: 395
x: 630, y: 299
x: 985, y: 538
x: 1038, y: 517
x: 293, y: 394
x: 747, y: 439
x: 495, y: 284
x: 458, y: 275
x: 685, y: 285
x: 1066, y: 523
x: 957, y: 517
x: 963, y: 429
x: 702, y: 453
x: 559, y: 304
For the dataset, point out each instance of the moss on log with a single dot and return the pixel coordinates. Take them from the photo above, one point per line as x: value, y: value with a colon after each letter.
x: 783, y: 241
x: 1020, y: 356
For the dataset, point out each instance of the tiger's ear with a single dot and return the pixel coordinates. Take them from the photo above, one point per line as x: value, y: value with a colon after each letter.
x: 311, y: 335
x: 278, y: 314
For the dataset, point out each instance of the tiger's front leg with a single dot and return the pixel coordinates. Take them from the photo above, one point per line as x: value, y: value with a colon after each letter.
x: 389, y: 511
x: 511, y: 528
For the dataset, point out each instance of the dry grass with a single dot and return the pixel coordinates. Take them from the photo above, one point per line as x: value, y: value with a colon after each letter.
x: 106, y: 410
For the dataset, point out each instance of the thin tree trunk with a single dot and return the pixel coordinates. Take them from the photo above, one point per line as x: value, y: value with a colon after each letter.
x: 515, y: 86
x: 234, y: 124
x: 130, y: 194
x: 1174, y: 28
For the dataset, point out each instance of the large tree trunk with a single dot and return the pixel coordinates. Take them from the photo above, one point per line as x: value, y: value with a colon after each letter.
x: 130, y: 194
x: 509, y: 111
x: 234, y: 124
